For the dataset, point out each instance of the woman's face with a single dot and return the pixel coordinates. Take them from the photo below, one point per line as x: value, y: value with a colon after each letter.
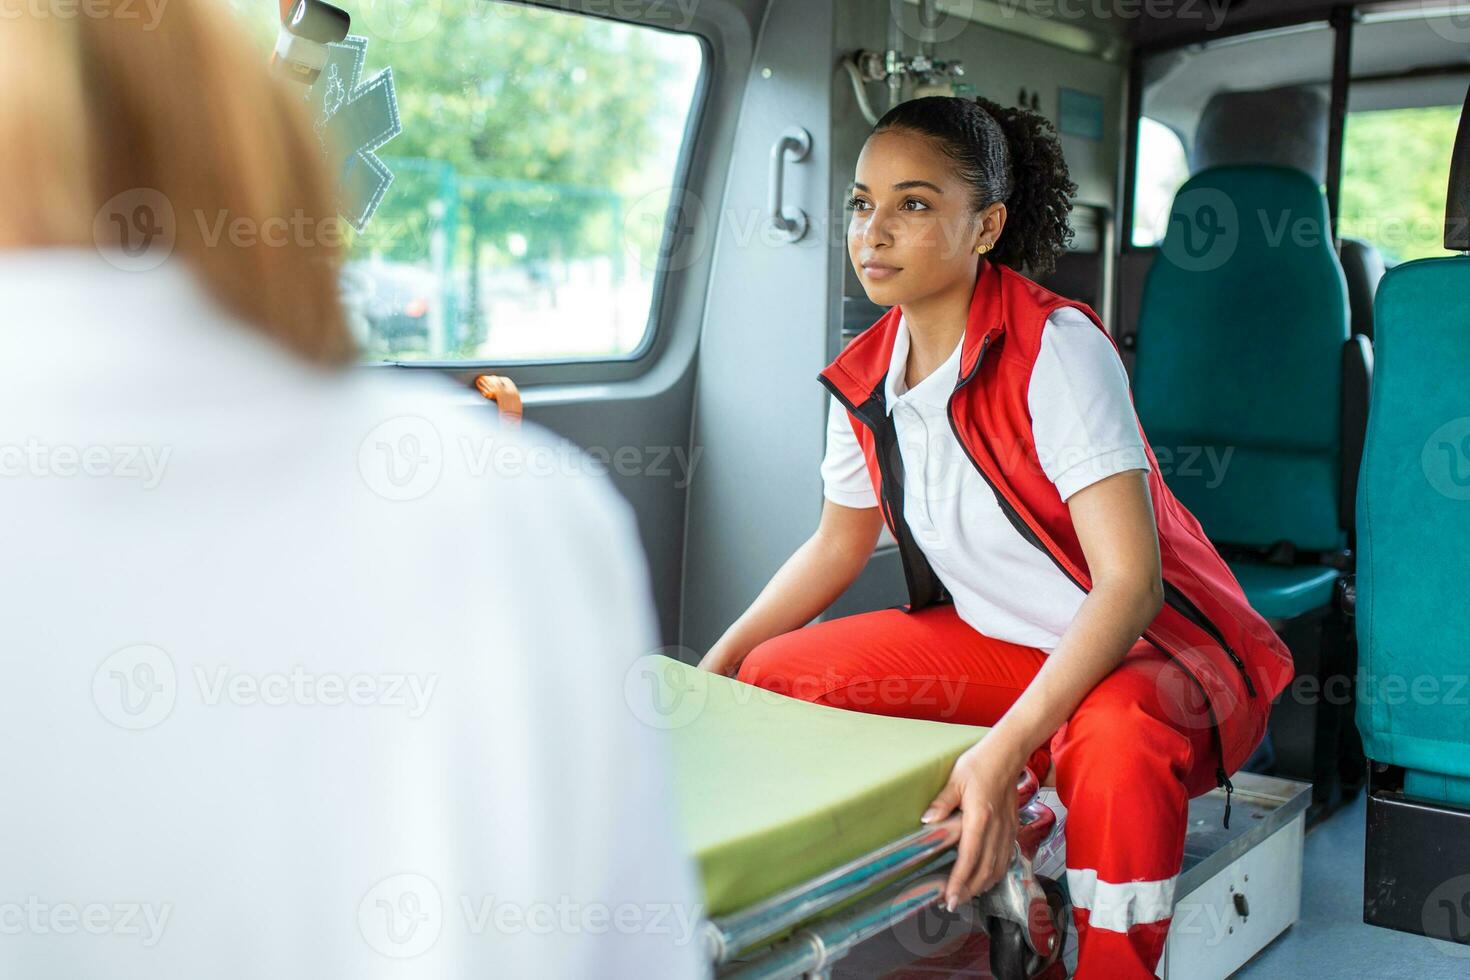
x: 913, y: 232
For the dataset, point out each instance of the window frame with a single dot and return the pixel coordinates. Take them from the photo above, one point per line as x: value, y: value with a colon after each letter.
x: 1134, y: 183
x: 624, y: 367
x: 1340, y: 19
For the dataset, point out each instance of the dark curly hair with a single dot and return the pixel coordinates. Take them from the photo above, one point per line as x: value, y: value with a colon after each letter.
x: 1004, y: 154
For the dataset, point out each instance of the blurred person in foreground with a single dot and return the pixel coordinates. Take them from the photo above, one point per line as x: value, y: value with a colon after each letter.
x: 290, y: 688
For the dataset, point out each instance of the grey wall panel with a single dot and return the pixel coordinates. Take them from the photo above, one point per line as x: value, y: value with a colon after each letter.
x: 878, y: 587
x: 1000, y: 64
x: 758, y: 409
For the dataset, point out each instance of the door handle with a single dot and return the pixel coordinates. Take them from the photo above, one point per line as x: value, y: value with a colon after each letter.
x: 795, y: 144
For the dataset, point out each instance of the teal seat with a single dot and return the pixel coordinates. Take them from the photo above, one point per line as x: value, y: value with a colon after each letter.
x: 1438, y: 787
x: 1238, y: 376
x: 1413, y: 516
x: 1285, y: 591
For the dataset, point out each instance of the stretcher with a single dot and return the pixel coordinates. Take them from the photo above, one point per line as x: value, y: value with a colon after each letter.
x: 804, y: 824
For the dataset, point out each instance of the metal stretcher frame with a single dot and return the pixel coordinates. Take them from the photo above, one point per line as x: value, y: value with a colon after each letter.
x: 908, y: 874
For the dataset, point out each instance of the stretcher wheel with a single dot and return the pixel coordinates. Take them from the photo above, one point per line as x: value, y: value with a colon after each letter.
x: 1011, y: 958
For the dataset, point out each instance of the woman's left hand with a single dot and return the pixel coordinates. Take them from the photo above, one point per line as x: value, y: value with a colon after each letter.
x: 983, y: 786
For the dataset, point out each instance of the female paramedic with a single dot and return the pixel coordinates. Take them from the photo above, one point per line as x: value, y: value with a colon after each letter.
x: 1057, y: 590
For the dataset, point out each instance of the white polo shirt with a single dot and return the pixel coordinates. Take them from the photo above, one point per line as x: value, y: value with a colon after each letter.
x: 1085, y: 429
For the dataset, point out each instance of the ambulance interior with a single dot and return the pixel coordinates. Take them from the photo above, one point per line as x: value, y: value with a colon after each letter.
x: 666, y: 273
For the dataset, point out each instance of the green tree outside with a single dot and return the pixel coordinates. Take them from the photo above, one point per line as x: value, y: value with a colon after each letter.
x: 1396, y: 168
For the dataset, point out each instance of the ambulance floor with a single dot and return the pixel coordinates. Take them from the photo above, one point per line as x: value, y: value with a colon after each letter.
x: 1331, y: 939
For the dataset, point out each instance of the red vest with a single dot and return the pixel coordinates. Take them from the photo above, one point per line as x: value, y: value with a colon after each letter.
x: 1236, y: 661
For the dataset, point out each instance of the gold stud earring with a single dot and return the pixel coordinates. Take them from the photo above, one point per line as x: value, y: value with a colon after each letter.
x: 983, y: 247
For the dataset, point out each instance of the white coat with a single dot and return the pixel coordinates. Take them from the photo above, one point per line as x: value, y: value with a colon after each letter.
x: 302, y: 677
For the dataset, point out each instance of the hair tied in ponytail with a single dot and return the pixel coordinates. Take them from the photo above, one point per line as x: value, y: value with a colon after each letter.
x: 1006, y: 154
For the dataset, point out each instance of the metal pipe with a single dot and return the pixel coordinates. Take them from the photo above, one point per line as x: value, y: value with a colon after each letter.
x: 817, y: 947
x: 748, y: 927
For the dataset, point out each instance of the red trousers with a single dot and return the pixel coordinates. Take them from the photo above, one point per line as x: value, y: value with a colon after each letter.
x: 1127, y: 762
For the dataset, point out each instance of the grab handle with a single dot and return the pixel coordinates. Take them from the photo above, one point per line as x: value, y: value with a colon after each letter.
x: 795, y: 143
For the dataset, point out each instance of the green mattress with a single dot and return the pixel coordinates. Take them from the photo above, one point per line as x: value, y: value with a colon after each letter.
x: 773, y: 791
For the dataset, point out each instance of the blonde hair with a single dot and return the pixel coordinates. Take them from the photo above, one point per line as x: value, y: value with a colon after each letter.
x: 122, y: 102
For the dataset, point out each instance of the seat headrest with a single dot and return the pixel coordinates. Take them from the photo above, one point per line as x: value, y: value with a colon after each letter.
x: 1457, y: 195
x: 1259, y: 209
x: 1285, y: 126
x: 1362, y: 267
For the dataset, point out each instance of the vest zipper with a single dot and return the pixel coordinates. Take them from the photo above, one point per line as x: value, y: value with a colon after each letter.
x: 1185, y: 605
x: 1221, y: 779
x: 923, y: 584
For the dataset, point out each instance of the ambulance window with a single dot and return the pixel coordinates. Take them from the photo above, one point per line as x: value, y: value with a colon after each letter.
x: 1162, y: 167
x: 1408, y: 82
x: 1395, y: 169
x: 539, y: 151
x: 1290, y: 67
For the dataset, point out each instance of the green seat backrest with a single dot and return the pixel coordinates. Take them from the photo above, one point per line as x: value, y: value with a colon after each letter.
x: 1238, y: 370
x: 1413, y: 519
